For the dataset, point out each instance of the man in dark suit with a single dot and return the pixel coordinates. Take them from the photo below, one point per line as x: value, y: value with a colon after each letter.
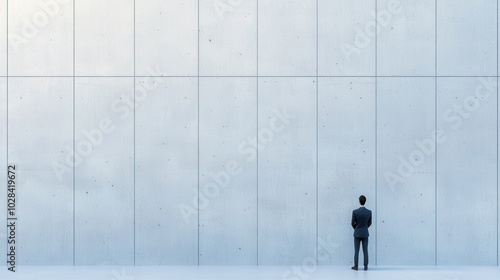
x: 360, y: 222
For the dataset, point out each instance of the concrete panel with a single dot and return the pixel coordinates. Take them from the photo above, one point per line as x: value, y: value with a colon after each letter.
x: 287, y: 38
x: 40, y: 129
x: 287, y: 170
x: 406, y: 171
x: 345, y: 48
x: 166, y: 37
x: 228, y: 38
x: 41, y: 38
x: 3, y: 161
x: 406, y: 40
x: 228, y: 171
x: 467, y: 167
x: 104, y: 171
x: 166, y: 171
x: 467, y: 39
x: 3, y: 37
x: 346, y: 162
x: 104, y: 37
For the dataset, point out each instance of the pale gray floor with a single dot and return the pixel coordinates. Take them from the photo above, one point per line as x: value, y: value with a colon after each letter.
x: 251, y: 272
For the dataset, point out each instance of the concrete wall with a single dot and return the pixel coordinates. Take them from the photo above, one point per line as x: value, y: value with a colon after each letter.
x: 287, y: 196
x: 40, y: 125
x: 467, y: 183
x: 104, y: 180
x: 406, y: 115
x: 228, y: 203
x: 3, y: 158
x: 242, y: 132
x: 167, y: 173
x: 346, y: 162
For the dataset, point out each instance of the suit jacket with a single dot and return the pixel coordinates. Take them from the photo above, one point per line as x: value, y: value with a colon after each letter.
x: 361, y: 221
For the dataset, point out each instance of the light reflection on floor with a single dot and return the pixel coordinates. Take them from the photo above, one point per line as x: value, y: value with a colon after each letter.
x: 250, y: 272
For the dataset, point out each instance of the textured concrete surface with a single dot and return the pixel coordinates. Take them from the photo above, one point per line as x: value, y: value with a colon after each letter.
x: 241, y: 132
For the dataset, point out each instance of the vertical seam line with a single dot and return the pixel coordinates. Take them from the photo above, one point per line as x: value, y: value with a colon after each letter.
x: 74, y: 134
x: 436, y: 131
x: 376, y: 133
x: 198, y: 76
x: 135, y: 226
x: 317, y: 133
x: 257, y: 132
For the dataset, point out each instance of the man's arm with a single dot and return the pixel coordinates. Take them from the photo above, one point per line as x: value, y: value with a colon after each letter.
x: 353, y: 220
x: 370, y: 220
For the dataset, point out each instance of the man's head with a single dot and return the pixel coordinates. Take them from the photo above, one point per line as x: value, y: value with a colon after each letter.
x: 362, y: 200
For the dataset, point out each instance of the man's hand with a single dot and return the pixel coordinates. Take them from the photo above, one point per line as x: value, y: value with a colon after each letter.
x: 353, y: 220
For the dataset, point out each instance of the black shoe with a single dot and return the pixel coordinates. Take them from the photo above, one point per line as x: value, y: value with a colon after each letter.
x: 366, y: 267
x: 354, y: 268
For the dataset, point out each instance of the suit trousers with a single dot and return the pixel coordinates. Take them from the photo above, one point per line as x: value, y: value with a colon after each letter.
x: 357, y: 241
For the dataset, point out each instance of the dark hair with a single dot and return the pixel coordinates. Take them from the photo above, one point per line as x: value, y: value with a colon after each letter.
x: 362, y: 200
